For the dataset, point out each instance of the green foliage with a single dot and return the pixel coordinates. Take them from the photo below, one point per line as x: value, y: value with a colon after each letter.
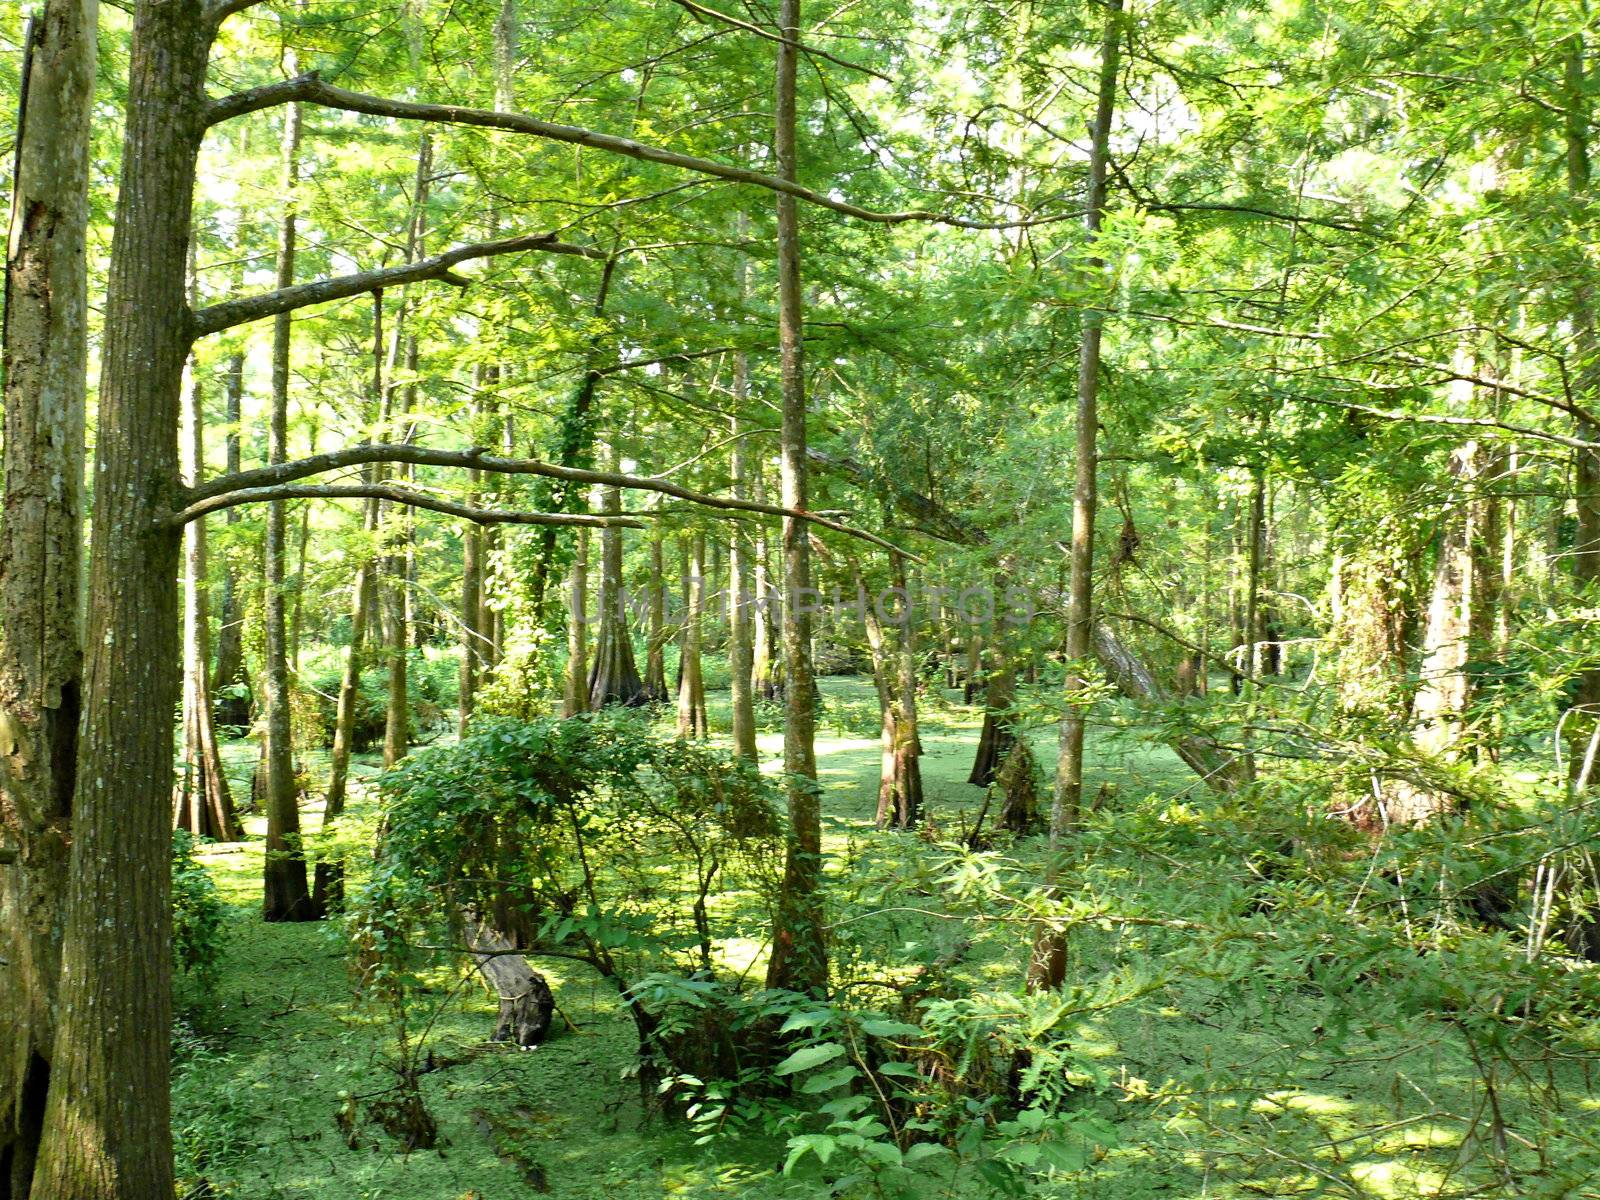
x: 216, y: 1124
x: 197, y: 914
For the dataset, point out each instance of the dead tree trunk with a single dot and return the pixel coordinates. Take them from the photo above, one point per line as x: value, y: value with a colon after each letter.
x: 1218, y: 769
x: 526, y: 1002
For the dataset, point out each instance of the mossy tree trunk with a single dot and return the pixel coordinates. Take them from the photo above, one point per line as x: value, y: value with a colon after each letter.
x: 799, y: 959
x: 107, y: 1131
x: 41, y: 661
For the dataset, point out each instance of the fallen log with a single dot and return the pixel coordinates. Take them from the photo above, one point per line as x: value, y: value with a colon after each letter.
x: 1218, y: 770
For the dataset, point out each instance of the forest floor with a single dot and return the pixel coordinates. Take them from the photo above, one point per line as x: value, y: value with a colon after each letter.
x: 265, y: 1062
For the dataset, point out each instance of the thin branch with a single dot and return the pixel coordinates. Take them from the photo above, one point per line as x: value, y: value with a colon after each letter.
x: 398, y: 495
x: 229, y: 313
x: 477, y: 458
x: 1470, y: 422
x: 702, y: 11
x: 311, y: 89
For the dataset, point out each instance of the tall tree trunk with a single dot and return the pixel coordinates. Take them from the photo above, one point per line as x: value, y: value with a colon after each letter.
x: 327, y: 893
x: 107, y: 1133
x: 691, y: 678
x: 233, y: 709
x: 1048, y: 965
x: 397, y: 710
x: 286, y: 895
x: 655, y: 666
x: 741, y: 657
x: 1439, y: 708
x: 203, y: 804
x: 472, y: 636
x: 576, y: 697
x: 894, y: 672
x: 613, y: 675
x: 764, y: 612
x: 397, y: 592
x: 799, y: 958
x: 1586, y: 342
x: 41, y: 668
x: 328, y: 888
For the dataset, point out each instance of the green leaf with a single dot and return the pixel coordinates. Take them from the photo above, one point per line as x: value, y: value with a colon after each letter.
x: 809, y: 1057
x: 805, y: 1020
x: 888, y: 1029
x: 832, y: 1079
x: 819, y: 1144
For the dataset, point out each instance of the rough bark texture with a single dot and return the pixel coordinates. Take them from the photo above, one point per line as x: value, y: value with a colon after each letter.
x: 46, y: 324
x: 107, y: 1132
x: 286, y: 895
x: 526, y: 1002
x: 799, y: 958
x: 1367, y: 632
x: 1439, y: 709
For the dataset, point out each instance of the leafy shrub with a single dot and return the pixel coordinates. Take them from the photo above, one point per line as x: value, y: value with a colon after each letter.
x: 197, y: 913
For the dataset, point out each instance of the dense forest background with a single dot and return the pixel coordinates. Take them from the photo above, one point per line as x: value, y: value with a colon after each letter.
x: 929, y: 599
